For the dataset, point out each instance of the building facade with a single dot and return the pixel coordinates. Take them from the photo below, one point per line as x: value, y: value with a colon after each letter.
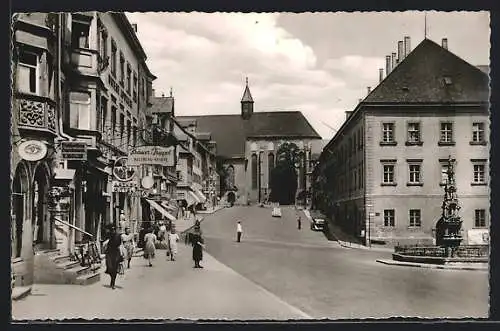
x: 381, y: 177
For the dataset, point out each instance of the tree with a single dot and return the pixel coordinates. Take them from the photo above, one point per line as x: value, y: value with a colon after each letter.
x: 283, y: 182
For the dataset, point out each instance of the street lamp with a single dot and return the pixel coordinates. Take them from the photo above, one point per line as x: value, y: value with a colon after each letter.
x: 368, y: 240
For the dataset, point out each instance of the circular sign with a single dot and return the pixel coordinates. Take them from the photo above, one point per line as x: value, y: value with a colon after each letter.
x: 121, y: 171
x: 147, y: 182
x: 32, y: 150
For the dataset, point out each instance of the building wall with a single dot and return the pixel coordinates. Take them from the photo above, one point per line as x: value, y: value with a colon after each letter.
x: 428, y: 197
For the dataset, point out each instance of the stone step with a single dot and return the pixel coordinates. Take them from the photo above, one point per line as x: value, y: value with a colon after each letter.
x: 67, y: 264
x: 60, y: 258
x: 50, y: 251
x: 89, y: 278
x: 78, y: 270
x: 20, y: 292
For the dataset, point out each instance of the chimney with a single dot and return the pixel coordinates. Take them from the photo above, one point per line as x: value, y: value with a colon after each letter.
x: 380, y: 74
x: 400, y: 51
x: 369, y: 89
x: 134, y: 26
x: 444, y: 43
x: 393, y: 58
x: 153, y: 92
x: 407, y: 46
x: 388, y: 65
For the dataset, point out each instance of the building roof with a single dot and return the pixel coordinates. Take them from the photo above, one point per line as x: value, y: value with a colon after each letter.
x: 432, y: 74
x: 162, y: 105
x: 247, y: 96
x: 231, y: 131
x: 484, y: 68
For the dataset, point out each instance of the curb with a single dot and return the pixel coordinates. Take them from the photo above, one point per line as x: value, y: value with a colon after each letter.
x: 19, y: 293
x: 429, y: 266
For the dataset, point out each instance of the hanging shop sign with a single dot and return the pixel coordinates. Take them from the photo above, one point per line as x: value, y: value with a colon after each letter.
x: 152, y: 155
x: 122, y: 171
x: 74, y: 150
x: 32, y: 150
x: 124, y: 187
x: 147, y: 182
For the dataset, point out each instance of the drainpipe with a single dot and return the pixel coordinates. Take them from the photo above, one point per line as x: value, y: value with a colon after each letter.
x: 59, y: 89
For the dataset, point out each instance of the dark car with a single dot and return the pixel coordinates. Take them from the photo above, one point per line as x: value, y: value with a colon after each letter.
x: 318, y: 221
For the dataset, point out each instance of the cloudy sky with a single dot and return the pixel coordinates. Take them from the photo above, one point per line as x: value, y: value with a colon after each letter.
x: 318, y: 63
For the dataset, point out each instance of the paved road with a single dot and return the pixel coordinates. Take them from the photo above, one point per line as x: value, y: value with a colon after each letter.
x: 168, y: 290
x: 323, y: 280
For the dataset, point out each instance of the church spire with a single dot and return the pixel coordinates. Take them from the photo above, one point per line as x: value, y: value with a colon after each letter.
x: 246, y: 102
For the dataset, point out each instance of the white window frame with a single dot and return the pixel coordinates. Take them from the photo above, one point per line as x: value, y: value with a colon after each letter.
x: 80, y: 104
x: 412, y: 173
x: 413, y: 127
x: 481, y: 217
x: 445, y: 133
x: 30, y: 66
x: 478, y: 132
x: 414, y: 221
x: 389, y: 218
x: 477, y: 177
x: 392, y: 164
x: 388, y: 134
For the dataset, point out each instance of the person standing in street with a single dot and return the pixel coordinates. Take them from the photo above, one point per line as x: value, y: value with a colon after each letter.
x: 123, y: 222
x: 299, y: 222
x: 239, y: 231
x: 128, y: 243
x: 196, y: 239
x: 173, y: 238
x: 113, y: 254
x: 149, y: 246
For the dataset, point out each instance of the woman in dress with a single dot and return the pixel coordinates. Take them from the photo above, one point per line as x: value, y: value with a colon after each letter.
x: 197, y: 243
x: 128, y: 242
x: 113, y: 254
x: 149, y: 246
x: 173, y: 238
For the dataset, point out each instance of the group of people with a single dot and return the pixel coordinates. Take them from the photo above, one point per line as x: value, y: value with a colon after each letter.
x: 120, y: 245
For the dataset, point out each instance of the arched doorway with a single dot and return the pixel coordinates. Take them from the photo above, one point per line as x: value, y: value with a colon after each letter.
x: 18, y: 208
x: 42, y: 229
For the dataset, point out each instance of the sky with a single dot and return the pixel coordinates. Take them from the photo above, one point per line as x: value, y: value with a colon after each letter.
x: 318, y: 63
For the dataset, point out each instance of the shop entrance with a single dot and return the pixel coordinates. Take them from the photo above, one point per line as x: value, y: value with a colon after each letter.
x: 42, y: 228
x: 18, y: 208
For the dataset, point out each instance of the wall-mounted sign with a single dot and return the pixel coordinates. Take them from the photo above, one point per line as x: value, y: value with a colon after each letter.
x: 122, y: 171
x: 147, y: 182
x: 74, y: 150
x: 124, y: 187
x: 32, y: 150
x: 478, y: 237
x: 152, y: 155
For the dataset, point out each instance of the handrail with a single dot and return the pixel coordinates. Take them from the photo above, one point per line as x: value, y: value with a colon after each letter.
x: 74, y: 227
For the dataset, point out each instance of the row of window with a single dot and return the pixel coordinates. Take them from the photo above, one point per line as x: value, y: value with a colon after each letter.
x: 446, y: 134
x: 415, y: 172
x: 415, y: 218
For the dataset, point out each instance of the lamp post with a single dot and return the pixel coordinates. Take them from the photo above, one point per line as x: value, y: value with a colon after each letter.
x: 368, y: 240
x: 259, y: 160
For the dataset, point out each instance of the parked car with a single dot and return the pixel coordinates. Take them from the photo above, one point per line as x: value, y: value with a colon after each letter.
x: 318, y: 221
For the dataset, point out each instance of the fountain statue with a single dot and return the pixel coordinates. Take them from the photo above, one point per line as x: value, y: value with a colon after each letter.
x: 449, y: 225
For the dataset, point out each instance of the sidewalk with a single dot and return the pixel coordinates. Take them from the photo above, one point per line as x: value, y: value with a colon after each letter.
x: 168, y: 290
x: 454, y: 266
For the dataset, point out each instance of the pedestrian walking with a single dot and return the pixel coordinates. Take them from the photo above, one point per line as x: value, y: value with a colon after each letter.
x: 239, y: 231
x: 173, y: 238
x: 149, y: 246
x: 128, y: 243
x: 113, y: 254
x: 123, y: 222
x: 299, y: 222
x: 197, y: 242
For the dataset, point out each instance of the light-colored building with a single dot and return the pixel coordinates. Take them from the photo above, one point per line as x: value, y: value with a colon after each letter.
x: 381, y: 176
x: 247, y: 144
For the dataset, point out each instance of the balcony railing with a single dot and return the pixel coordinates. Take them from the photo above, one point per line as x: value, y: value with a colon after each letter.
x: 36, y: 113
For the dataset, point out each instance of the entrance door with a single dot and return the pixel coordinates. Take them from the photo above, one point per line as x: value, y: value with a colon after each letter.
x: 18, y: 205
x: 42, y: 229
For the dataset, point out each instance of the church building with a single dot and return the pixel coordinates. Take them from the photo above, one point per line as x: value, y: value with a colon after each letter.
x: 247, y: 144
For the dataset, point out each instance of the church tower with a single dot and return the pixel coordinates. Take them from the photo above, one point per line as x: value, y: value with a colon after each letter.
x: 246, y: 103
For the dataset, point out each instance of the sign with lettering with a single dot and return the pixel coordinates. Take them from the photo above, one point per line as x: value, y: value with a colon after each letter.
x: 151, y: 155
x: 32, y: 150
x: 74, y: 150
x: 478, y: 237
x: 122, y: 171
x: 124, y: 187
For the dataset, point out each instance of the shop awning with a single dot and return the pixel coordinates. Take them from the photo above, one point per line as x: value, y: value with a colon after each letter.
x: 194, y: 197
x: 161, y: 210
x: 167, y: 206
x: 201, y: 196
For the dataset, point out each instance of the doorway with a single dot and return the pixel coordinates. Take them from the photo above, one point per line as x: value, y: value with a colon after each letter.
x: 42, y: 228
x: 18, y: 208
